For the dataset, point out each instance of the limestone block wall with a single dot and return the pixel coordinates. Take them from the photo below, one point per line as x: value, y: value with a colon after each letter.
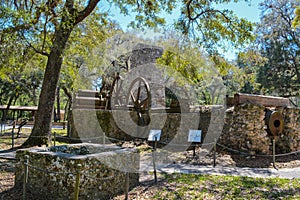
x: 143, y: 53
x: 289, y: 141
x: 245, y: 130
x: 243, y: 127
x: 52, y: 172
x: 141, y: 62
x: 119, y: 124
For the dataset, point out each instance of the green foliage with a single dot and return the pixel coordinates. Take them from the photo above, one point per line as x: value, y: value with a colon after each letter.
x: 83, y: 61
x: 21, y: 73
x: 20, y: 69
x: 249, y: 62
x: 23, y: 86
x: 35, y: 42
x: 179, y: 63
x: 202, y: 72
x: 200, y: 20
x: 147, y: 13
x: 35, y: 24
x: 296, y: 22
x: 280, y: 45
x: 210, y: 26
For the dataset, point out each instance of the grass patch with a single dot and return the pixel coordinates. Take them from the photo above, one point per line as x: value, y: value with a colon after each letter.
x: 6, y: 139
x: 60, y: 132
x: 183, y: 186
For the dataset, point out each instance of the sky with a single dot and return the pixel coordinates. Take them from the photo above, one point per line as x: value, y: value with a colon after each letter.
x: 242, y: 9
x: 248, y: 10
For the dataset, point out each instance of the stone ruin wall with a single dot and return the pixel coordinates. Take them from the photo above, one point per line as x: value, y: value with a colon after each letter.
x: 140, y: 62
x: 290, y: 139
x: 107, y: 122
x: 244, y: 125
x: 54, y: 175
x: 245, y: 130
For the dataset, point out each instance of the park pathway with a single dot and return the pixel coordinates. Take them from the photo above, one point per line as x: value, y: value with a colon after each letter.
x: 7, y: 154
x: 204, y: 169
x: 233, y: 171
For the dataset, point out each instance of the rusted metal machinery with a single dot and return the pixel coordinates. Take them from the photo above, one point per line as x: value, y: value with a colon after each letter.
x: 274, y: 122
x: 267, y: 101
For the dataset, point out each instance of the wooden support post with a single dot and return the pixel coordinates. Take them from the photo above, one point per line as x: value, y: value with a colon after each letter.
x: 194, y: 151
x: 215, y: 151
x: 126, y: 185
x: 77, y: 184
x: 26, y: 162
x: 13, y: 135
x: 12, y: 139
x: 54, y: 142
x: 274, y: 154
x: 154, y: 160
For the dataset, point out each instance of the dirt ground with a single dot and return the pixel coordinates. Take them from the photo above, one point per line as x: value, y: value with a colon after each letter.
x: 223, y: 158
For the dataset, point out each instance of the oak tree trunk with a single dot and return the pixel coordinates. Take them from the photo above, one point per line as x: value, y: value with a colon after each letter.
x: 42, y: 125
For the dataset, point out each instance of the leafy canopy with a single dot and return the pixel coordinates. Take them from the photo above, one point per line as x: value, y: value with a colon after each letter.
x: 280, y: 45
x: 296, y: 22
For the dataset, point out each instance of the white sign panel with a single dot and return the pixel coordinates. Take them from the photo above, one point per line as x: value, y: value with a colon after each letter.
x: 194, y: 136
x: 154, y: 134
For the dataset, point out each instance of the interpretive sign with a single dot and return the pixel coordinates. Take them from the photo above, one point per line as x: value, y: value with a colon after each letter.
x: 194, y: 136
x: 154, y: 135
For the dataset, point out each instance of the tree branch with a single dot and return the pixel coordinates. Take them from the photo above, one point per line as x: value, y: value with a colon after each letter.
x: 36, y: 50
x: 85, y: 12
x: 189, y: 14
x: 44, y: 34
x: 70, y: 5
x: 67, y: 93
x: 16, y: 4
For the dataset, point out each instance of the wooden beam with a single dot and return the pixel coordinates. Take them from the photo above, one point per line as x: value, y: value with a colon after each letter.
x: 89, y: 107
x: 268, y: 101
x: 88, y: 101
x: 22, y: 108
x: 229, y: 101
x: 88, y: 93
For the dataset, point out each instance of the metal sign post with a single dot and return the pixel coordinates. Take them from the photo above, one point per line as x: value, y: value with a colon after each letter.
x: 194, y: 137
x: 154, y: 135
x: 154, y: 160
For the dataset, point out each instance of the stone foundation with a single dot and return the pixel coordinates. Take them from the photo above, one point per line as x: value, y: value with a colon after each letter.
x: 243, y: 126
x: 101, y: 167
x: 245, y: 130
x: 289, y: 140
x: 117, y: 124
